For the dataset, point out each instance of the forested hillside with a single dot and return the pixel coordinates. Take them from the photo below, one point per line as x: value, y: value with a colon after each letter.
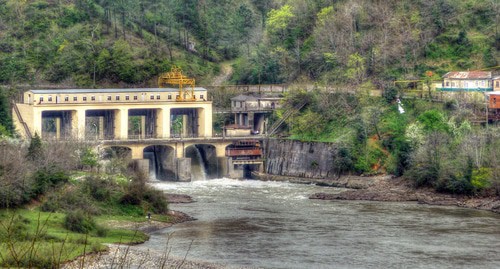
x: 103, y: 42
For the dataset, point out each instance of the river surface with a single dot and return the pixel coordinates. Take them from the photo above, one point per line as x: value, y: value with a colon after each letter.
x: 274, y: 225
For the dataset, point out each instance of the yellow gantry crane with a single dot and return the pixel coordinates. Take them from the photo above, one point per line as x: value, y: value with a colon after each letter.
x: 175, y: 77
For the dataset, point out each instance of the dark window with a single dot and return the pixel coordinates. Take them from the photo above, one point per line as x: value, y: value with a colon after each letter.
x: 41, y: 98
x: 201, y: 96
x: 169, y: 97
x: 66, y: 99
x: 50, y: 98
x: 152, y: 97
x: 109, y: 97
x: 127, y: 97
x: 117, y: 98
x: 158, y: 97
x: 135, y: 97
x: 75, y: 98
x: 92, y: 98
x: 85, y: 98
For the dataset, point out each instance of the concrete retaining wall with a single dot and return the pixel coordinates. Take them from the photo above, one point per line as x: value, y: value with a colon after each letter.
x: 300, y: 159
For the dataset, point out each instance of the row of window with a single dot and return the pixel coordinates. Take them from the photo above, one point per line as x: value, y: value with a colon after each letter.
x: 109, y: 98
x: 466, y: 84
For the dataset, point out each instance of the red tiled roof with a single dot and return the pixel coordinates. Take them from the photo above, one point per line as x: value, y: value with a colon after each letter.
x: 468, y: 75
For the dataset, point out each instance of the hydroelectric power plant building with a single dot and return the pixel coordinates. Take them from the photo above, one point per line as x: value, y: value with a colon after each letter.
x: 164, y: 132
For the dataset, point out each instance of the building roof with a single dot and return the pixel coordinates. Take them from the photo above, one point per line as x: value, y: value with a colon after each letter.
x: 245, y: 98
x: 468, y: 75
x: 131, y: 90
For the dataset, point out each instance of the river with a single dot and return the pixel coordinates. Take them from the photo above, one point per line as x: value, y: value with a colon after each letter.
x: 274, y: 225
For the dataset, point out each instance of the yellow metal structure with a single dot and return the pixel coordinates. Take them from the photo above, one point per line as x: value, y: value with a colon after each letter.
x: 175, y: 77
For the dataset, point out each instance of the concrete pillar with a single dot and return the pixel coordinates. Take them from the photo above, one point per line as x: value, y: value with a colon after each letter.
x: 37, y: 122
x: 143, y: 127
x: 101, y: 128
x: 143, y: 166
x: 223, y: 166
x: 163, y: 123
x: 251, y: 116
x: 220, y: 150
x: 58, y: 128
x: 235, y: 172
x: 121, y: 124
x: 137, y: 153
x: 78, y: 123
x: 184, y: 169
x: 179, y: 150
x: 185, y: 122
x: 204, y: 122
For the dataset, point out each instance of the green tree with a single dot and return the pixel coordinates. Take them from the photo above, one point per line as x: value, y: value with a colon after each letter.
x: 35, y: 149
x: 5, y: 116
x: 278, y: 20
x: 122, y: 64
x: 89, y: 158
x: 356, y: 69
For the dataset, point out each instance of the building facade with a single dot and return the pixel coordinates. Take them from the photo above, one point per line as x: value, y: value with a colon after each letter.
x: 113, y: 114
x: 467, y: 81
x: 250, y: 113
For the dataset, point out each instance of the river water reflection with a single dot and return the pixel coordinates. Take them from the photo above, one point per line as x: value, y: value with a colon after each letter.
x: 275, y: 225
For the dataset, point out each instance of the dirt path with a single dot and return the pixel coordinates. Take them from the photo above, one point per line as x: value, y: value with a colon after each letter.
x: 225, y: 74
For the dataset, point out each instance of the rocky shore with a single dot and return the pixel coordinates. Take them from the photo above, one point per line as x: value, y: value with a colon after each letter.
x: 390, y: 189
x: 122, y: 256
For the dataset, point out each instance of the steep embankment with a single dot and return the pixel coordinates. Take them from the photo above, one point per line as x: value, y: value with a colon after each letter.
x: 300, y: 159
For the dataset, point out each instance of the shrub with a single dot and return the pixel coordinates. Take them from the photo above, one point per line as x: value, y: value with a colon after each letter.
x: 156, y: 200
x: 78, y: 221
x: 98, y: 188
x: 48, y: 177
x: 481, y: 178
x: 130, y: 198
x: 343, y: 162
x: 70, y: 199
x: 101, y: 231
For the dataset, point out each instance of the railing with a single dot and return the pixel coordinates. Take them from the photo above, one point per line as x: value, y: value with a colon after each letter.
x: 287, y: 114
x: 271, y: 88
x: 254, y: 108
x: 20, y: 118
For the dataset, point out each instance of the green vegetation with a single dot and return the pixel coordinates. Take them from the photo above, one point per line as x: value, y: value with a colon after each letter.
x: 432, y: 144
x: 49, y: 215
x: 96, y: 43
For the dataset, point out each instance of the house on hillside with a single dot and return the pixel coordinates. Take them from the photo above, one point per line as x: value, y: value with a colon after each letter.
x: 496, y: 83
x: 467, y: 81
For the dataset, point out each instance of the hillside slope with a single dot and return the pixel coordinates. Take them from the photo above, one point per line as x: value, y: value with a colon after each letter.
x: 100, y: 43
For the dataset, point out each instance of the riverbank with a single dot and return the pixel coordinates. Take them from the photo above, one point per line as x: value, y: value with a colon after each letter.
x: 131, y: 256
x: 389, y: 189
x: 122, y: 256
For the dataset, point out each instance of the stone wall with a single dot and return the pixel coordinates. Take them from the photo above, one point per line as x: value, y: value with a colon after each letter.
x: 300, y: 159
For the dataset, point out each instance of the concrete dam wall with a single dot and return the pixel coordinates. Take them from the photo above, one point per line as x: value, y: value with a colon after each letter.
x: 300, y: 159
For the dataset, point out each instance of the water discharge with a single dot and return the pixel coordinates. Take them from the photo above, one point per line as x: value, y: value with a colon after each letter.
x: 275, y: 225
x: 198, y: 166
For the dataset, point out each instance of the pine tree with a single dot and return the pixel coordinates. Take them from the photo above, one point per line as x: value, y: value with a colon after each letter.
x: 35, y: 150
